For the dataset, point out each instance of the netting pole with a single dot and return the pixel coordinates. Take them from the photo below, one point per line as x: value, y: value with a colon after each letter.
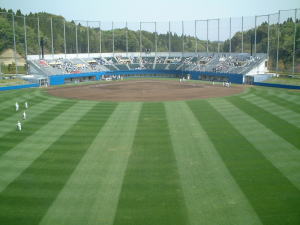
x: 140, y: 39
x: 196, y: 42
x: 76, y: 39
x: 52, y: 47
x: 255, y: 32
x: 38, y: 33
x: 15, y: 47
x: 182, y: 24
x: 88, y: 37
x: 218, y: 35
x: 25, y: 38
x: 207, y: 37
x: 113, y: 37
x: 100, y: 47
x: 277, y: 54
x: 230, y: 35
x: 268, y: 48
x: 294, y: 47
x: 155, y: 38
x: 242, y: 34
x: 126, y: 39
x: 169, y: 38
x: 65, y: 44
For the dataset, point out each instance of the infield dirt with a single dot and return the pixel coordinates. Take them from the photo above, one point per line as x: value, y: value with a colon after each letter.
x: 145, y: 90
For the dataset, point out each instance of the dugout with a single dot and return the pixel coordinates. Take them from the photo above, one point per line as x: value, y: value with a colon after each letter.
x: 79, y: 79
x: 213, y: 78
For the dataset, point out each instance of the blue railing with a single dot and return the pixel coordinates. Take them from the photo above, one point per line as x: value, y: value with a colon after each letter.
x: 18, y: 87
x: 277, y: 85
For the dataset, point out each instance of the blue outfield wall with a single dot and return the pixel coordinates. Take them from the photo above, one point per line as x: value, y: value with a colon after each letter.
x: 195, y: 75
x: 277, y: 85
x: 18, y: 87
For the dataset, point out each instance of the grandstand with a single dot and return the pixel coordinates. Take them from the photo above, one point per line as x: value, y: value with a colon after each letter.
x: 231, y: 63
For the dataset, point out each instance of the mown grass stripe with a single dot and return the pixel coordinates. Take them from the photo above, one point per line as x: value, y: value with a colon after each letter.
x: 278, y: 151
x: 28, y: 198
x: 8, y: 95
x: 17, y: 159
x: 274, y: 198
x: 279, y: 101
x: 15, y: 137
x: 151, y: 191
x: 277, y: 110
x: 279, y: 126
x: 21, y: 98
x: 208, y: 186
x: 91, y: 194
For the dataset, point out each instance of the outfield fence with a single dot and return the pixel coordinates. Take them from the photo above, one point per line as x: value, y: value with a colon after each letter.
x: 277, y: 85
x: 18, y: 87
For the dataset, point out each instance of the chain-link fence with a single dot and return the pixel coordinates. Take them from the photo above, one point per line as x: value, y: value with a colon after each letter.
x: 277, y: 35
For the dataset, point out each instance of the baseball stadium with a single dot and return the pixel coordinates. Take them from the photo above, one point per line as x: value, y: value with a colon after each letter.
x: 150, y: 123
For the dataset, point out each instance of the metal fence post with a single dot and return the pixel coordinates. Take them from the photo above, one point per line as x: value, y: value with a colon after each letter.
x: 155, y: 38
x: 52, y: 46
x: 207, y: 50
x: 100, y: 44
x: 38, y: 33
x: 277, y: 54
x: 196, y: 42
x: 88, y: 38
x: 113, y: 38
x: 218, y: 35
x: 294, y: 47
x: 76, y: 37
x: 182, y: 24
x: 230, y: 35
x: 15, y: 47
x: 242, y: 34
x: 169, y: 38
x: 25, y: 38
x: 255, y: 31
x: 65, y: 44
x: 126, y: 39
x: 268, y: 47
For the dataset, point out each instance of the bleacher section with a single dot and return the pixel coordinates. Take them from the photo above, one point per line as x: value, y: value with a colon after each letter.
x: 236, y: 63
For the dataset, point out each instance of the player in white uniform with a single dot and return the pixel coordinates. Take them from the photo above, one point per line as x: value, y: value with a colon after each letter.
x: 17, y: 106
x: 19, y: 126
x: 24, y: 115
x: 26, y: 105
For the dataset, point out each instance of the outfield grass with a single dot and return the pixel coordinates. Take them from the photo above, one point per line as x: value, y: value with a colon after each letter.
x: 232, y: 160
x: 12, y: 82
x: 284, y: 80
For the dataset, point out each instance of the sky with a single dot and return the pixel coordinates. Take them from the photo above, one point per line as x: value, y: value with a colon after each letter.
x: 150, y: 10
